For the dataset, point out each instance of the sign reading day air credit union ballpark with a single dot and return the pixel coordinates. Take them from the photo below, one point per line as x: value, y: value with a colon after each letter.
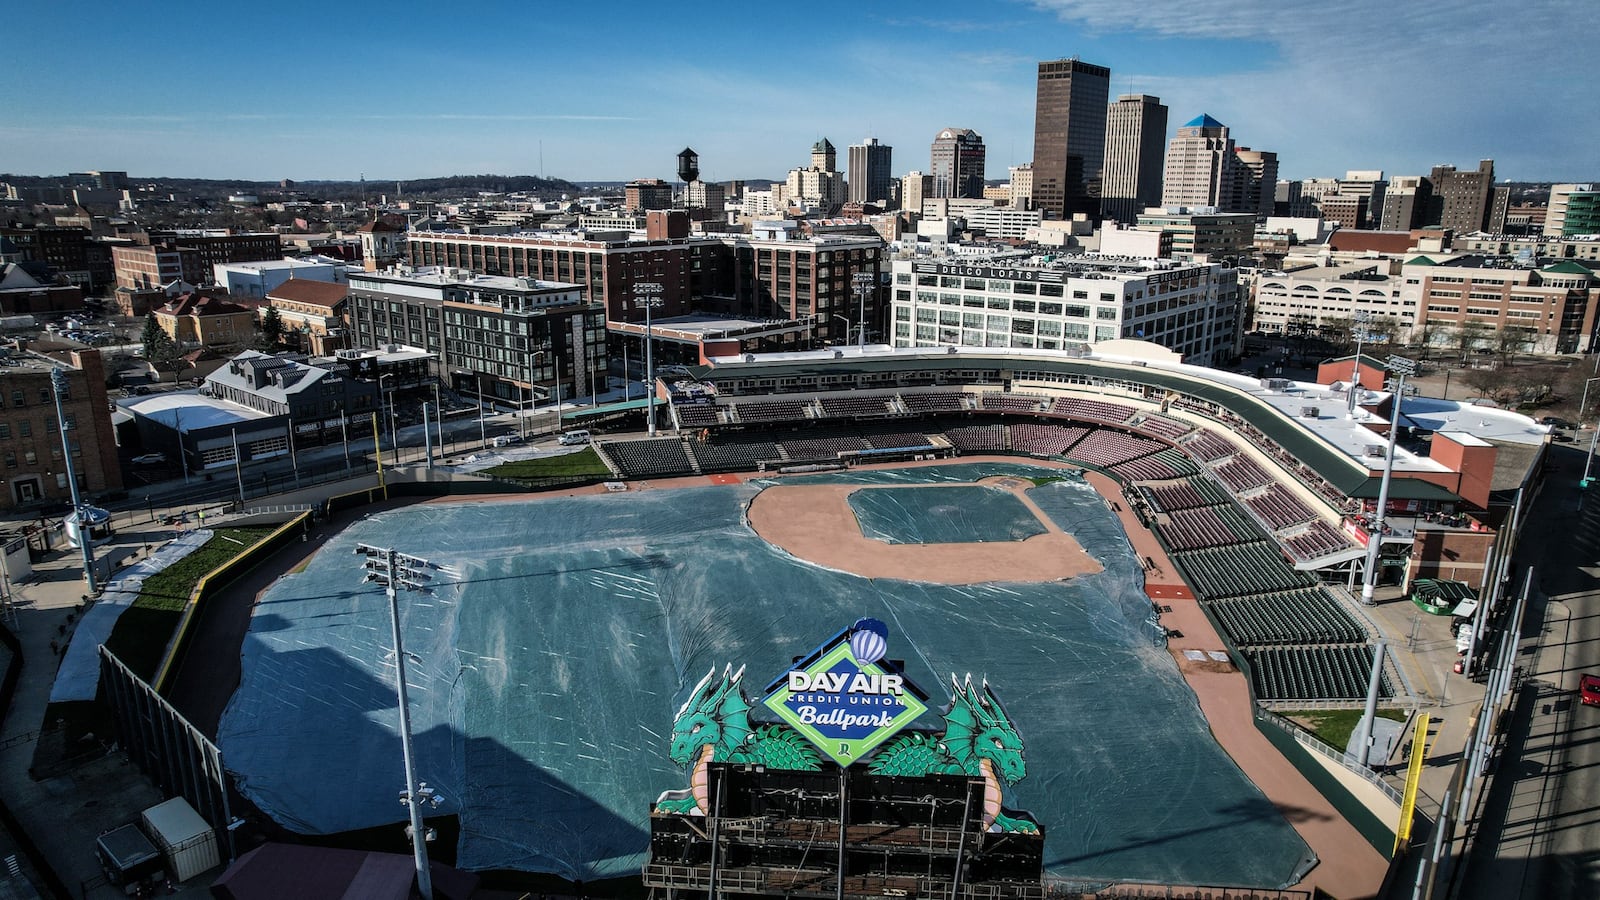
x: 845, y: 698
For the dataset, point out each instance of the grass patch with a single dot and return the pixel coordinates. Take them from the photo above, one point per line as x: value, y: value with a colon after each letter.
x: 170, y: 588
x: 584, y: 463
x: 142, y: 632
x: 1334, y: 726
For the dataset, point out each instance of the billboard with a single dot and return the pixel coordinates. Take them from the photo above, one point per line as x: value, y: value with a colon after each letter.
x: 845, y: 698
x: 846, y: 703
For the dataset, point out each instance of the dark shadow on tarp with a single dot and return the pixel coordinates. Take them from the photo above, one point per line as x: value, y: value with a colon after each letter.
x: 564, y: 830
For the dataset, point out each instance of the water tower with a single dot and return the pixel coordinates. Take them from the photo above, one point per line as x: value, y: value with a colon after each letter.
x: 688, y: 166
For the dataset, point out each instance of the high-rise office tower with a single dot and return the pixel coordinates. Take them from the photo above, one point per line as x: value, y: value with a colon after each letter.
x: 1069, y: 136
x: 1574, y: 209
x: 822, y: 156
x: 915, y: 188
x: 1405, y: 203
x: 1462, y: 200
x: 1368, y: 183
x: 869, y: 171
x: 1021, y: 193
x: 1136, y: 138
x: 1200, y: 165
x: 958, y: 163
x: 1254, y: 182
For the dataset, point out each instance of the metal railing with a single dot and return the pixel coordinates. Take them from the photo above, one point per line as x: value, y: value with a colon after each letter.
x: 1317, y: 745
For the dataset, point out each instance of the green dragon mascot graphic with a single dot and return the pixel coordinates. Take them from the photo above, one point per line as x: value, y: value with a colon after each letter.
x: 714, y: 726
x: 978, y: 740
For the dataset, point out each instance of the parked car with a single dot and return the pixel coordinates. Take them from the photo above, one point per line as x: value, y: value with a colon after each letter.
x: 1555, y: 422
x: 149, y: 459
x: 1589, y: 690
x: 506, y: 440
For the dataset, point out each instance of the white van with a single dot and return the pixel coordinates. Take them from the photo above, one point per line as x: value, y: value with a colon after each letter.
x: 506, y: 440
x: 579, y: 436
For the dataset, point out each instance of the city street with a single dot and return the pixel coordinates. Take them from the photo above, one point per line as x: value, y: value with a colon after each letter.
x: 1540, y: 833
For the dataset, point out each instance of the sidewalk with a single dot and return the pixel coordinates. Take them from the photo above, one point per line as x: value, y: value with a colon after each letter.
x: 1424, y: 653
x: 63, y: 815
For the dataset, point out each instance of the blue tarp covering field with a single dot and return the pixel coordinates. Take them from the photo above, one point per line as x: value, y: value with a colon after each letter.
x: 544, y: 681
x: 944, y: 515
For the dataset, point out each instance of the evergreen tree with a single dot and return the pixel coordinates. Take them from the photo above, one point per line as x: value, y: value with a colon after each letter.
x: 159, y: 348
x: 270, y: 338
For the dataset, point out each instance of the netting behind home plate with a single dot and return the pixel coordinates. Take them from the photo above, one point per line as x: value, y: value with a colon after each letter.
x: 546, y: 681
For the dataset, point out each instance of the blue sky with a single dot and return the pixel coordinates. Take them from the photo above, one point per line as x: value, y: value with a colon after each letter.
x: 611, y: 91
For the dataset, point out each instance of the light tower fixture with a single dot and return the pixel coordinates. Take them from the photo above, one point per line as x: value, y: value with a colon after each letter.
x: 394, y: 570
x: 1362, y: 317
x: 1401, y: 367
x: 647, y: 294
x: 863, y: 282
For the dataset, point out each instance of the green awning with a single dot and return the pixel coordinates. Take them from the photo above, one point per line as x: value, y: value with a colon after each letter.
x: 608, y: 409
x: 1438, y: 596
x: 1401, y: 488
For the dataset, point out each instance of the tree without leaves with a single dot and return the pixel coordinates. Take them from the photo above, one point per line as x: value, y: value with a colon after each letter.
x: 1489, y: 383
x: 1511, y: 340
x: 1468, y: 335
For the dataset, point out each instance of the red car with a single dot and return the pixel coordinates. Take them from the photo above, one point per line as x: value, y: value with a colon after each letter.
x: 1589, y: 690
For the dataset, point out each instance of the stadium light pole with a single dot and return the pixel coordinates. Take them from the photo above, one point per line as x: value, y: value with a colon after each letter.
x: 1401, y: 367
x: 1362, y: 317
x: 58, y: 381
x: 394, y: 570
x: 648, y: 295
x: 863, y: 283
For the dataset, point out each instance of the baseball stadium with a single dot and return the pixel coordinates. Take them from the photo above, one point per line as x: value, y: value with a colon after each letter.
x: 1135, y: 556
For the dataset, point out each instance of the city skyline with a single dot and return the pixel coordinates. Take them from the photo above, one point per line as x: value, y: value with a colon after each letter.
x: 557, y: 92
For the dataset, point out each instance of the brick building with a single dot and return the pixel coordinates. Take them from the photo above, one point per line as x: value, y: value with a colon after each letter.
x: 32, y: 465
x: 161, y: 257
x: 647, y: 194
x: 510, y: 338
x: 313, y: 315
x: 1550, y: 308
x: 22, y: 294
x: 217, y: 322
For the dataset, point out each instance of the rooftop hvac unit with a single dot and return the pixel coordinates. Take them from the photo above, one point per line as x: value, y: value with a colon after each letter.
x: 1310, y: 412
x: 1375, y: 450
x: 1276, y: 384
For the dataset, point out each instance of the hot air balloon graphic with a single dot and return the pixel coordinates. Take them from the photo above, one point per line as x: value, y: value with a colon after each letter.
x: 869, y: 639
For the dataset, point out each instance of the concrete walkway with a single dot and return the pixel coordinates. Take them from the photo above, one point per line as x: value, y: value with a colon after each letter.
x: 63, y: 815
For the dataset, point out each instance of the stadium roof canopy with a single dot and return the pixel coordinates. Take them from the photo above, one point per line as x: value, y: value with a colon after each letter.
x: 1307, y: 420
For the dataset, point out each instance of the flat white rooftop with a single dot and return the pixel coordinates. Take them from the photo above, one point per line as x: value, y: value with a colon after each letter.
x: 188, y: 411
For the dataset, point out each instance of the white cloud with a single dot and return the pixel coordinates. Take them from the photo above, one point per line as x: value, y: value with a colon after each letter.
x: 1369, y: 83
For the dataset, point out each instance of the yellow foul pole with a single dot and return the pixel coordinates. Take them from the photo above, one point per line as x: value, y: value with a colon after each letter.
x: 377, y: 451
x: 1408, y: 799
